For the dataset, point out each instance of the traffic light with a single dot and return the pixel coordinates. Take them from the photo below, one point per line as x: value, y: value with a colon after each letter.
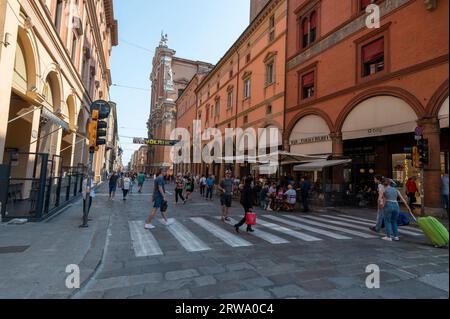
x: 98, y: 129
x: 102, y: 127
x: 424, y: 151
x: 93, y: 131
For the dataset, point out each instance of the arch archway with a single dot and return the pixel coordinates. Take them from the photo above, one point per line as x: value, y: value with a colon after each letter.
x: 26, y: 66
x: 311, y: 136
x: 310, y: 111
x: 379, y: 116
x: 439, y: 104
x: 398, y: 93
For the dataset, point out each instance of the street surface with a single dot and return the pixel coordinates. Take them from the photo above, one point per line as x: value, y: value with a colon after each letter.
x: 319, y: 255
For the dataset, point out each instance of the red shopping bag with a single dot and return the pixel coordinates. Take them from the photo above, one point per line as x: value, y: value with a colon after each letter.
x: 250, y: 219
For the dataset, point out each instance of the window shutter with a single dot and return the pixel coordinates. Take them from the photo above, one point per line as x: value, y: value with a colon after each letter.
x: 308, y: 80
x: 313, y: 20
x: 365, y: 4
x: 305, y: 27
x: 373, y: 51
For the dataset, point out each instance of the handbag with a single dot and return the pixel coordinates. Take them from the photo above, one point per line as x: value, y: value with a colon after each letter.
x: 250, y: 219
x: 164, y: 206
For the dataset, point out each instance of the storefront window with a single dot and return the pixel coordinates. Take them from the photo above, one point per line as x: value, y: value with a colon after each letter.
x: 403, y: 170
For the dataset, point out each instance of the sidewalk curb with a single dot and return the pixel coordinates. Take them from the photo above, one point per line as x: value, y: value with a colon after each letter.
x: 101, y: 238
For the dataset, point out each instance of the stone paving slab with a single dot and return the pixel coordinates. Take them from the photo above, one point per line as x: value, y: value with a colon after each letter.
x: 329, y: 269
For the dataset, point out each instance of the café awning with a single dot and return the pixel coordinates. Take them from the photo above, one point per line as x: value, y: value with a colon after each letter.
x: 286, y: 158
x: 55, y: 119
x: 318, y: 166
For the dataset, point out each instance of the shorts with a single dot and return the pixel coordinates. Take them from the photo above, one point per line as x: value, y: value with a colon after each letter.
x: 112, y: 188
x: 226, y: 200
x: 140, y: 184
x: 158, y: 202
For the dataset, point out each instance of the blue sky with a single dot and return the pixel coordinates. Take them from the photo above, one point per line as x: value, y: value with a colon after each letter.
x: 197, y: 29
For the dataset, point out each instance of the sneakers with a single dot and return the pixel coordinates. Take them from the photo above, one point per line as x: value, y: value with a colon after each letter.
x: 396, y: 238
x: 168, y: 223
x: 374, y: 229
x: 149, y: 226
x: 387, y: 238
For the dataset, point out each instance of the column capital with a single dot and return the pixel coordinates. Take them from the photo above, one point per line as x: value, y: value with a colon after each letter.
x: 336, y: 136
x: 430, y: 125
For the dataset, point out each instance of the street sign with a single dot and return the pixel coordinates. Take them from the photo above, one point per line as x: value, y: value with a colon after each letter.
x: 103, y: 107
x: 419, y: 131
x: 154, y: 142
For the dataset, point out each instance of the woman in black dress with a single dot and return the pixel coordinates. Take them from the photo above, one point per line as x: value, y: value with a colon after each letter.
x: 247, y: 203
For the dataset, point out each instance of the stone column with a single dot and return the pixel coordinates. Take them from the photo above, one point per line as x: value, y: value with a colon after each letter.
x: 338, y: 171
x: 338, y: 144
x: 432, y: 174
x: 8, y: 24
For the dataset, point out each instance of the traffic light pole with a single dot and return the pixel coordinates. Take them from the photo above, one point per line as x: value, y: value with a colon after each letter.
x: 87, y: 200
x: 100, y: 111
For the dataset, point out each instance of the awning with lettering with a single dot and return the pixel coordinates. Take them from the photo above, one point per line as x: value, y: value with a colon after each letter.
x: 320, y: 165
x: 54, y: 119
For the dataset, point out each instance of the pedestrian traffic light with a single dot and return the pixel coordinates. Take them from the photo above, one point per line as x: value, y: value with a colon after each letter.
x: 424, y: 151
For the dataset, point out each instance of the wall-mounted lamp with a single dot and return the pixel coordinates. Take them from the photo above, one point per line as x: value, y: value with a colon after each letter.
x: 7, y: 39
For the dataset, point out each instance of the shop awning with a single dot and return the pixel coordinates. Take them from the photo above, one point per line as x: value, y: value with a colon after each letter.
x: 320, y: 165
x: 286, y: 158
x: 54, y: 119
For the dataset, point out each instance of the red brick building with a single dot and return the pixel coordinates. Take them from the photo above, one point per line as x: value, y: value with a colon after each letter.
x: 359, y: 92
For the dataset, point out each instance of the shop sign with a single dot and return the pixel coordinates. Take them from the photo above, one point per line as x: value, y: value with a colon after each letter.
x: 311, y: 140
x: 375, y: 131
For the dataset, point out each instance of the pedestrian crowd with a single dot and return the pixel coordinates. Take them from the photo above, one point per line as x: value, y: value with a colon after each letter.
x: 269, y: 195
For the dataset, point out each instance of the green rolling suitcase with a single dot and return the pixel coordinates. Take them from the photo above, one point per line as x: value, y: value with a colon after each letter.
x: 434, y: 230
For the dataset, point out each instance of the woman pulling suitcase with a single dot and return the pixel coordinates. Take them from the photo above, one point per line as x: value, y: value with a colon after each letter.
x: 391, y: 209
x: 247, y: 203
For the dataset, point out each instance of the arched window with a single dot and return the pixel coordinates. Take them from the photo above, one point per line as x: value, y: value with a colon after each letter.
x: 313, y: 27
x: 305, y: 32
x: 59, y: 15
x: 74, y: 46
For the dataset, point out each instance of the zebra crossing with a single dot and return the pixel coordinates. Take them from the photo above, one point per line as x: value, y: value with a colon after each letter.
x: 271, y: 229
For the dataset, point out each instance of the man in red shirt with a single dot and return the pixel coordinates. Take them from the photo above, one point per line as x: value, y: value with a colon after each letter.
x: 411, y: 191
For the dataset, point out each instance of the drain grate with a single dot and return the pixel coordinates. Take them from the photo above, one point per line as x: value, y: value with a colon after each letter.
x: 13, y: 249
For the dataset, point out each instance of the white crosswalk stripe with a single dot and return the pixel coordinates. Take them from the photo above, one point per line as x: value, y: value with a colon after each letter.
x: 227, y: 237
x: 288, y: 231
x: 186, y: 238
x: 374, y: 222
x: 340, y: 229
x: 274, y: 240
x: 347, y: 224
x: 144, y: 243
x: 337, y: 227
x: 401, y: 230
x: 308, y: 228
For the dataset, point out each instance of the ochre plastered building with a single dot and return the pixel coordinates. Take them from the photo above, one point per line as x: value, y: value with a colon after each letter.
x: 54, y: 62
